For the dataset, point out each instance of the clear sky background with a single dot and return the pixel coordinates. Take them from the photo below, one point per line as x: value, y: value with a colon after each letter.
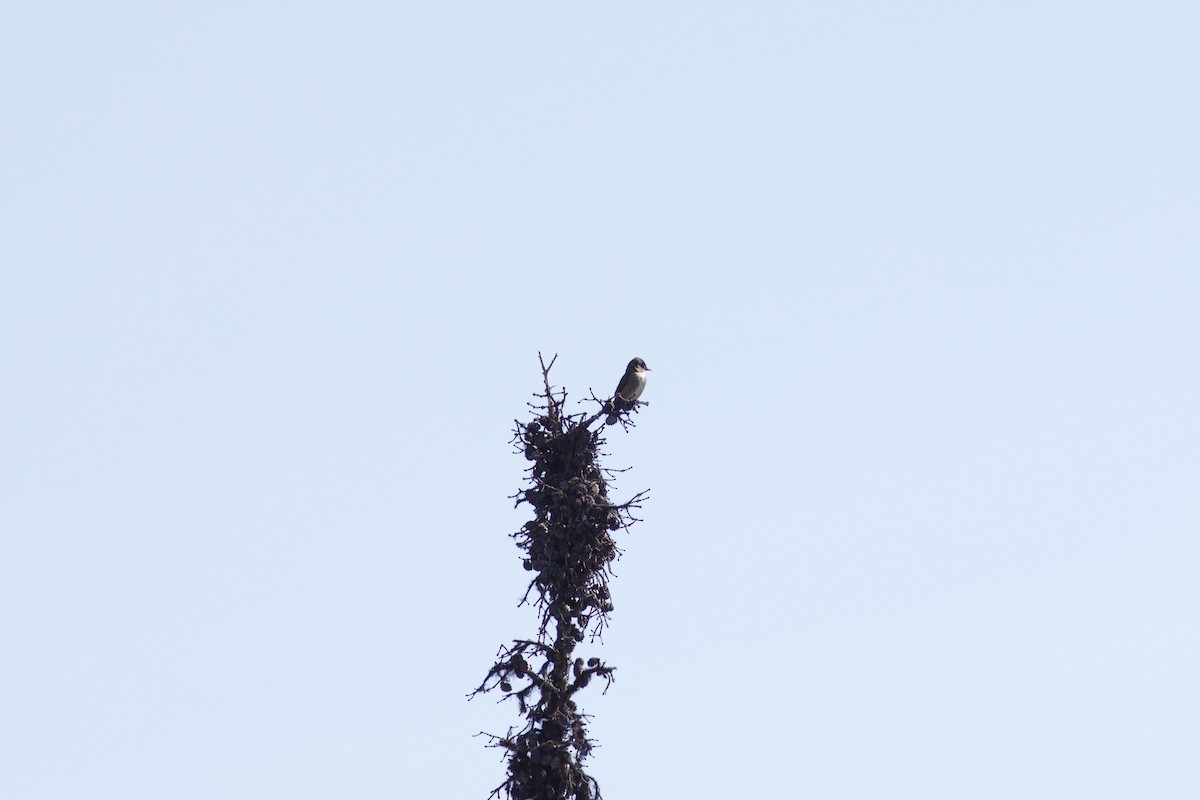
x: 919, y: 285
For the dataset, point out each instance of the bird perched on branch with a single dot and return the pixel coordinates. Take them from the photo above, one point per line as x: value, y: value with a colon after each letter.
x: 629, y: 389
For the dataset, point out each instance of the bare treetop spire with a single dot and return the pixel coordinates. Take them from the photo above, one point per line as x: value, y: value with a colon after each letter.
x: 568, y: 546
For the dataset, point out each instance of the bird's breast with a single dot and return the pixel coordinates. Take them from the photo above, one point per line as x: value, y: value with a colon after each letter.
x: 632, y: 386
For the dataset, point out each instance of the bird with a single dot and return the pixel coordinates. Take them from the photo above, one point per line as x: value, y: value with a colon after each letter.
x: 632, y: 384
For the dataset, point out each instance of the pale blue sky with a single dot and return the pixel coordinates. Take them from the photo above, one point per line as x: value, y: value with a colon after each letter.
x: 919, y: 284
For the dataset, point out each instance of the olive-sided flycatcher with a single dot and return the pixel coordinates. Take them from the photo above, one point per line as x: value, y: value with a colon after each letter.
x: 629, y: 389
